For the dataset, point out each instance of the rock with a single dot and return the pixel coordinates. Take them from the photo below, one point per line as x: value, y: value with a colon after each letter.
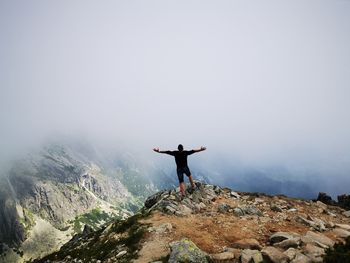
x: 87, y: 230
x: 153, y: 199
x: 237, y: 211
x: 223, y: 208
x: 316, y: 224
x: 121, y: 254
x: 313, y: 252
x: 185, y: 251
x: 301, y: 258
x: 235, y: 251
x: 290, y: 253
x: 252, y: 210
x: 326, y: 199
x: 280, y: 236
x: 223, y: 256
x: 234, y: 195
x: 344, y: 201
x: 274, y: 255
x: 339, y: 232
x: 248, y: 243
x: 343, y: 226
x: 247, y: 210
x: 319, y: 239
x: 249, y: 256
x: 275, y: 208
x: 346, y: 213
x: 288, y: 243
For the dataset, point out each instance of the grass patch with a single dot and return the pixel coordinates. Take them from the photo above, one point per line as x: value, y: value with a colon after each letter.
x: 96, y: 246
x: 94, y: 218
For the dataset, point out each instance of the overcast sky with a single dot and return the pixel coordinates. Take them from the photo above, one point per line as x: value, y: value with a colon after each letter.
x: 263, y: 82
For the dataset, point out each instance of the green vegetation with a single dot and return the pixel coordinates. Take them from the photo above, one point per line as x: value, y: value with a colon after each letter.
x: 340, y: 253
x: 94, y: 218
x: 28, y: 221
x: 101, y: 245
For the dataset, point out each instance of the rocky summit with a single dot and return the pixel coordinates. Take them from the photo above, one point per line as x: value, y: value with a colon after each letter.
x: 213, y: 224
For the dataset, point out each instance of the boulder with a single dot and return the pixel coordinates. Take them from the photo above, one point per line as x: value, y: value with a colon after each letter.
x: 314, y: 253
x: 223, y: 208
x: 251, y: 256
x: 346, y: 213
x: 274, y: 255
x: 280, y: 236
x: 326, y: 199
x: 153, y: 199
x: 185, y: 251
x: 290, y: 253
x: 223, y: 256
x: 275, y: 208
x: 301, y: 258
x: 234, y: 195
x: 343, y: 226
x: 247, y: 243
x: 288, y: 243
x: 319, y: 239
x: 344, y: 201
x: 339, y: 232
x: 237, y: 211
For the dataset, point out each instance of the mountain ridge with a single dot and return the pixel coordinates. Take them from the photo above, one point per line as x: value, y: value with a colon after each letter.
x: 214, y: 224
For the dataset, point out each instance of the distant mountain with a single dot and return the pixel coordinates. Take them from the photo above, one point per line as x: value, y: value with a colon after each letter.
x: 51, y: 194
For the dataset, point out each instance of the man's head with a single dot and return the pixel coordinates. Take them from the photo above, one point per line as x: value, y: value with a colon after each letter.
x: 180, y: 147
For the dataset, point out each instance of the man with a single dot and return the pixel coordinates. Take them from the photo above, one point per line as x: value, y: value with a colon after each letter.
x: 181, y: 163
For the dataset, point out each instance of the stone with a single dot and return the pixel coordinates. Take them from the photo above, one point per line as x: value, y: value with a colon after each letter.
x: 274, y: 255
x: 320, y: 238
x: 346, y: 213
x: 280, y: 236
x: 185, y: 251
x: 252, y: 210
x: 316, y: 224
x: 344, y: 201
x: 121, y: 254
x: 234, y: 195
x: 301, y: 258
x: 238, y: 211
x: 248, y: 243
x: 313, y: 252
x: 343, y: 226
x: 223, y: 256
x: 249, y: 256
x: 223, y: 208
x: 288, y: 243
x: 324, y: 198
x: 153, y: 199
x: 339, y: 232
x: 275, y: 208
x: 290, y: 253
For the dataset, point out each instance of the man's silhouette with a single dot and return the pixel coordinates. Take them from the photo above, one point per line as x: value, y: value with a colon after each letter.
x: 181, y: 163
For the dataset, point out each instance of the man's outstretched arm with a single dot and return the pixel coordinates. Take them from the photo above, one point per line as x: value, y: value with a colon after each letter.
x: 199, y: 150
x: 166, y: 152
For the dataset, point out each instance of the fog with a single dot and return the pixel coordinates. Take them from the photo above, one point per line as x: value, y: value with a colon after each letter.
x: 261, y: 84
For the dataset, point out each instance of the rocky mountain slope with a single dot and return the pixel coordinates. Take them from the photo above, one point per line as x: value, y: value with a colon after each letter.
x: 48, y: 196
x: 212, y: 224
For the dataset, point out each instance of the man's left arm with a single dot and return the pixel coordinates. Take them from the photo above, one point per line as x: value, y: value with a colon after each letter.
x: 197, y: 150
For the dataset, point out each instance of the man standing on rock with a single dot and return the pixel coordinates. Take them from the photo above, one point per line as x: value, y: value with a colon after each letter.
x: 181, y: 163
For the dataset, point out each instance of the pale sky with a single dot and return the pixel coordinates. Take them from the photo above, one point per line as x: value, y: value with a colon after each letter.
x: 264, y: 82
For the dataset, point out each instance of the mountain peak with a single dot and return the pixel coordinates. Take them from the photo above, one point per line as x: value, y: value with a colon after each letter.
x: 214, y: 224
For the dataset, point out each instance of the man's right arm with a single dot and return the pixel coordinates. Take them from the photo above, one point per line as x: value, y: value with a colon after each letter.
x: 166, y: 152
